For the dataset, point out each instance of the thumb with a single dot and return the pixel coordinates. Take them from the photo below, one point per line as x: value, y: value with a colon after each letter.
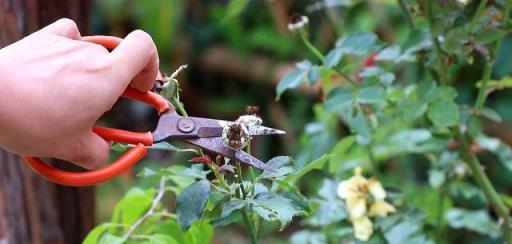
x: 89, y: 151
x: 135, y: 61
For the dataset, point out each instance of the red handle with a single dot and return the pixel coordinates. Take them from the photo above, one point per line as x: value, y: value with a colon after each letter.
x: 128, y: 159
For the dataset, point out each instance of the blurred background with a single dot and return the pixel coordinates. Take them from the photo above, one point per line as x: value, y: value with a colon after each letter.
x: 236, y: 53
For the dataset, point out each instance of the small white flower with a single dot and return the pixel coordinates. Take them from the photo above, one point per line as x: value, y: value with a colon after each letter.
x: 298, y: 22
x: 249, y: 120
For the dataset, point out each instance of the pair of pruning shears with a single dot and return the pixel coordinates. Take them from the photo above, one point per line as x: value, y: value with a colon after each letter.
x: 203, y: 132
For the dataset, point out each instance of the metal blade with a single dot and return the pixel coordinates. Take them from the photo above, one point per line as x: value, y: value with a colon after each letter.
x: 215, y: 145
x: 259, y: 130
x: 249, y: 159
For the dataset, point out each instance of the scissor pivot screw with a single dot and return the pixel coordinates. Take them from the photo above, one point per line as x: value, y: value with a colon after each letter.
x: 186, y: 125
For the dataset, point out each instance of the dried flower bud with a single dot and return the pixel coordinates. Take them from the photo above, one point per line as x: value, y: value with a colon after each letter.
x: 252, y: 110
x: 297, y: 22
x: 235, y: 136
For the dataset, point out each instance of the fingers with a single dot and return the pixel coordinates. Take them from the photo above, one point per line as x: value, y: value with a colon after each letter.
x: 90, y: 151
x: 135, y: 61
x: 63, y: 27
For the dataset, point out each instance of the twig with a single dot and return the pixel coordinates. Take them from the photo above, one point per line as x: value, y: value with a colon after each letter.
x: 407, y: 14
x: 178, y: 71
x: 441, y: 72
x: 480, y: 101
x: 485, y: 184
x: 151, y: 211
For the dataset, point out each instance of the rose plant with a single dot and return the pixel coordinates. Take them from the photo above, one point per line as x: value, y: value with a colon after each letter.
x: 385, y: 108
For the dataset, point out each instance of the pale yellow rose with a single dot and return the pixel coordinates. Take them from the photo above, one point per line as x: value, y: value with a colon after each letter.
x: 381, y: 208
x: 375, y: 188
x: 363, y: 228
x: 355, y: 186
x: 356, y: 207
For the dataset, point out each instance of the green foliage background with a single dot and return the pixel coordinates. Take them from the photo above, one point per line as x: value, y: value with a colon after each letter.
x: 405, y: 118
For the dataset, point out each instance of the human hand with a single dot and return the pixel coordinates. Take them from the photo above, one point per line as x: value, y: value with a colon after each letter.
x: 55, y: 87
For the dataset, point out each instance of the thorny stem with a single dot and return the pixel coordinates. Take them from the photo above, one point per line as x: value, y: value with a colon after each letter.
x: 320, y: 56
x: 254, y: 217
x: 478, y: 14
x: 373, y: 161
x: 485, y: 184
x: 480, y: 101
x: 472, y: 161
x: 440, y: 213
x: 407, y: 14
x: 441, y: 69
x: 244, y: 211
x: 150, y: 212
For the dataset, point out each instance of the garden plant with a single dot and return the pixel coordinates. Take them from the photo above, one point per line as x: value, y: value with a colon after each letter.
x: 386, y: 107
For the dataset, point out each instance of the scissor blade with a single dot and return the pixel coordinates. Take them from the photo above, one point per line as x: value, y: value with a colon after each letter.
x: 260, y: 130
x: 254, y: 162
x: 215, y: 145
x: 253, y: 130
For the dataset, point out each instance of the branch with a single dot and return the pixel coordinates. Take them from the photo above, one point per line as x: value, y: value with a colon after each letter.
x: 151, y: 211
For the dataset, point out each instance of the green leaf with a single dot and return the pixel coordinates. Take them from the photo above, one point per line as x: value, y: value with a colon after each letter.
x: 503, y: 83
x: 436, y: 178
x: 491, y: 114
x: 390, y: 53
x: 339, y: 152
x: 417, y: 41
x: 333, y: 58
x: 316, y: 164
x: 360, y: 43
x: 411, y: 110
x: 95, y: 234
x: 328, y: 212
x: 235, y: 7
x: 274, y: 207
x: 147, y: 172
x: 443, y: 113
x: 407, y: 230
x: 161, y: 239
x: 502, y: 150
x: 170, y: 227
x: 292, y: 80
x: 489, y: 35
x: 132, y: 206
x: 279, y: 163
x: 231, y: 206
x: 232, y: 218
x: 191, y: 202
x: 169, y: 147
x: 108, y: 238
x: 356, y: 120
x: 339, y: 98
x: 475, y: 220
x: 201, y: 232
x: 308, y: 237
x: 314, y: 74
x: 371, y: 95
